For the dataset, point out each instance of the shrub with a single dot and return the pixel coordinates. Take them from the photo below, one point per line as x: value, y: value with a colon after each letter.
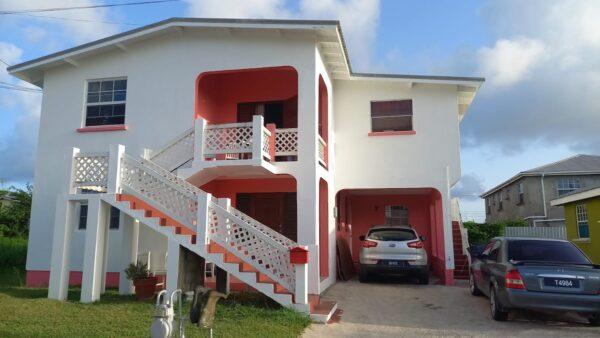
x: 14, y: 216
x: 137, y: 271
x: 13, y: 252
x: 481, y: 233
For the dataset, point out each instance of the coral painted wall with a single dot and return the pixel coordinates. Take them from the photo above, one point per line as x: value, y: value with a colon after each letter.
x: 218, y: 93
x: 229, y: 188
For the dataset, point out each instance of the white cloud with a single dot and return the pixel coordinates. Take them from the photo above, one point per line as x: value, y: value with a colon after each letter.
x: 238, y: 9
x: 359, y: 18
x: 17, y: 147
x: 469, y: 187
x: 510, y: 61
x: 548, y: 76
x: 90, y: 27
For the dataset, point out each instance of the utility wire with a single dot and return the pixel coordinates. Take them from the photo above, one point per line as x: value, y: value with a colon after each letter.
x: 20, y: 89
x: 7, y: 85
x: 80, y: 20
x: 37, y: 10
x: 4, y: 62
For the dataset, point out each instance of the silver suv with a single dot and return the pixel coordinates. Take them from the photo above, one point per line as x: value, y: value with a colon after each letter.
x: 393, y: 250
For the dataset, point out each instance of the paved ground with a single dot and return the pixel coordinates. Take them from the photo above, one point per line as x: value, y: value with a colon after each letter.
x: 401, y: 309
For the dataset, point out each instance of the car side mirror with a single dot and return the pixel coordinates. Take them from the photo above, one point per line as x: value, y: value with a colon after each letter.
x: 362, y: 238
x: 422, y: 238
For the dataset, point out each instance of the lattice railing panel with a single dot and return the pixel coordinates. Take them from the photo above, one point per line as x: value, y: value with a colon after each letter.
x: 176, y: 153
x: 286, y: 141
x: 227, y: 139
x: 254, y: 243
x: 90, y: 171
x: 266, y: 142
x: 322, y: 150
x: 159, y: 187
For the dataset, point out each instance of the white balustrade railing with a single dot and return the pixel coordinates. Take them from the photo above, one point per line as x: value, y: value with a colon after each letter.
x: 90, y: 171
x: 231, y: 138
x: 177, y: 152
x: 253, y: 242
x: 161, y: 189
x: 286, y: 142
x: 322, y: 150
x: 266, y: 143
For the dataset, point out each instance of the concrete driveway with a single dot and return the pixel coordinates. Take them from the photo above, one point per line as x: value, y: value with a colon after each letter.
x: 401, y: 309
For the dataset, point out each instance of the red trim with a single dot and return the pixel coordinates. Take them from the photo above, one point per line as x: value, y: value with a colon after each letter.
x: 40, y: 278
x: 110, y: 127
x: 390, y: 133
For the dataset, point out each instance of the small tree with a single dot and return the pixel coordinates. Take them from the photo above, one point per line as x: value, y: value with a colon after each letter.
x: 14, y: 215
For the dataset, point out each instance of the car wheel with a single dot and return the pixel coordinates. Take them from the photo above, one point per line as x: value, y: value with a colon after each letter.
x: 472, y: 287
x: 595, y: 320
x: 424, y: 279
x: 362, y: 276
x: 497, y: 313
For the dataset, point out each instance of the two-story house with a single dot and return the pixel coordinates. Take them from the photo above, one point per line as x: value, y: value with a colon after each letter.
x: 250, y: 143
x: 527, y: 195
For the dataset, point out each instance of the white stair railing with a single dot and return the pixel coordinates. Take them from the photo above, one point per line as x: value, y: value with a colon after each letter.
x: 256, y: 244
x: 177, y: 152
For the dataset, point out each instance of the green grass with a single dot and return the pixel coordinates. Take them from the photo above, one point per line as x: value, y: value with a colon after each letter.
x: 27, y: 312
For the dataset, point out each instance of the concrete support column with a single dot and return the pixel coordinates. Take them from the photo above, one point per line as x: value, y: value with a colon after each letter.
x: 95, y: 237
x: 222, y: 277
x: 64, y: 219
x: 199, y: 125
x: 129, y: 249
x: 202, y: 239
x: 257, y: 139
x: 172, y: 265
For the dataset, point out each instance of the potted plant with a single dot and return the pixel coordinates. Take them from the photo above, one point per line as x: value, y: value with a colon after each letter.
x: 144, y: 282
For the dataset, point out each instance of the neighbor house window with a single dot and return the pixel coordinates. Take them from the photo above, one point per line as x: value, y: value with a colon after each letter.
x: 520, y: 194
x: 565, y: 185
x: 500, y: 200
x: 105, y: 102
x: 583, y: 228
x: 396, y: 215
x: 391, y: 115
x: 489, y: 205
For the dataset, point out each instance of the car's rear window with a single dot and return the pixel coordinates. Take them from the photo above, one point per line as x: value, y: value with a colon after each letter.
x: 545, y: 251
x: 390, y: 234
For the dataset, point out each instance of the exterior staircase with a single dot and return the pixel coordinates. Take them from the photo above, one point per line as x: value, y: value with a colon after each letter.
x: 149, y: 190
x: 461, y: 261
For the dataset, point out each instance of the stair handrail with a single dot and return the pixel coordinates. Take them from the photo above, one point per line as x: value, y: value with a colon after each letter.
x: 277, y: 267
x: 182, y: 140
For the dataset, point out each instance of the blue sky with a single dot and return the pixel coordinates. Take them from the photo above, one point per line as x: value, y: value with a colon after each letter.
x: 541, y: 59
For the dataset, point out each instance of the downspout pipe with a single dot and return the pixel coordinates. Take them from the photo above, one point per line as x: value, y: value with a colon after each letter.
x: 543, y: 199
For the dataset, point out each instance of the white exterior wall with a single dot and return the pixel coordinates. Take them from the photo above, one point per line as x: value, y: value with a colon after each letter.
x: 428, y: 159
x: 161, y: 75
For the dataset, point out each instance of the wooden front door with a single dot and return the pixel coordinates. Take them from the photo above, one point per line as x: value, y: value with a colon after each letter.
x: 275, y: 210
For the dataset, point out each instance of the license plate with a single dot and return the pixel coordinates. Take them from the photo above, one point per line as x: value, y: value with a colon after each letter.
x: 561, y: 282
x: 395, y: 263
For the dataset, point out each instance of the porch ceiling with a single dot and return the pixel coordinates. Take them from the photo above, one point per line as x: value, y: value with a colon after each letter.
x: 390, y: 191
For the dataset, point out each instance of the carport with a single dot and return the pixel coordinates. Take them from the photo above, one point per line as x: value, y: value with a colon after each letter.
x: 421, y: 208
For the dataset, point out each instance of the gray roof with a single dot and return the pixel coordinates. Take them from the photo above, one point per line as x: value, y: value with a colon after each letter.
x: 574, y: 165
x: 577, y: 163
x: 335, y: 24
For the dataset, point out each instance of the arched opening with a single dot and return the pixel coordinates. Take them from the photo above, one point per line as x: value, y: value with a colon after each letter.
x: 323, y: 229
x: 323, y: 116
x: 420, y: 208
x: 231, y: 96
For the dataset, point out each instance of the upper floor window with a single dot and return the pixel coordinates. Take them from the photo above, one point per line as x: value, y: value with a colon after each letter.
x: 583, y: 227
x: 391, y: 115
x: 520, y: 194
x: 396, y: 215
x: 105, y: 102
x: 565, y: 185
x: 489, y: 205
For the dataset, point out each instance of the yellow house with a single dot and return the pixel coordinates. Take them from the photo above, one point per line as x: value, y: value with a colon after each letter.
x: 582, y: 219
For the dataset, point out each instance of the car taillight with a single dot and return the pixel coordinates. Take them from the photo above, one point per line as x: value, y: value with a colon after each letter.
x: 415, y: 245
x: 513, y: 280
x: 369, y: 244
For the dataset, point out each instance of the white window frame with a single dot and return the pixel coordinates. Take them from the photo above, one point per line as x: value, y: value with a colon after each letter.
x: 581, y: 218
x: 572, y: 184
x: 412, y: 120
x: 87, y: 104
